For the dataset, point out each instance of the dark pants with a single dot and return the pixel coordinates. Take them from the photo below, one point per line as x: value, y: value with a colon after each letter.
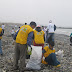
x: 50, y: 34
x: 71, y: 39
x: 0, y: 48
x: 3, y: 31
x: 52, y: 60
x: 12, y: 35
x: 20, y: 54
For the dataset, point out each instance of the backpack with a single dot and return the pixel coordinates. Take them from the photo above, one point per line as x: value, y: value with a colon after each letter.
x: 54, y: 27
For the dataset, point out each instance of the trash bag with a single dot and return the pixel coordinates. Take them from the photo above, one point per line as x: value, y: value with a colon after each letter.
x: 35, y: 58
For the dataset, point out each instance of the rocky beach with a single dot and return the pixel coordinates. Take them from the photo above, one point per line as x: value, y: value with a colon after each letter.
x: 61, y: 42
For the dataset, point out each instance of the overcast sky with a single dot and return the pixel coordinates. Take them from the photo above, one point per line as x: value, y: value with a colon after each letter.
x: 40, y: 11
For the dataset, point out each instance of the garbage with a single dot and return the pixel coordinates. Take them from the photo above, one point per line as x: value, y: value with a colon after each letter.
x: 60, y: 53
x: 35, y: 58
x: 3, y: 70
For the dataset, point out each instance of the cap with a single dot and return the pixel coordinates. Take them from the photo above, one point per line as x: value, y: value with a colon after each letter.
x: 38, y: 26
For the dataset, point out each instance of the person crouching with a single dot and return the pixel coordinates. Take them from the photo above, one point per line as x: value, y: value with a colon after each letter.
x: 49, y: 56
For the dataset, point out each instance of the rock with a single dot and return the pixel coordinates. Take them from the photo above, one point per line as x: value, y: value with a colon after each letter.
x: 61, y: 42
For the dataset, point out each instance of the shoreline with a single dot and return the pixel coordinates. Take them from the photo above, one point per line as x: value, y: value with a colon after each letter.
x: 61, y: 42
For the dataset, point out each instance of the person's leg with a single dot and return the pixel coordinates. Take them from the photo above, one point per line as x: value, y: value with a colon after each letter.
x: 23, y: 51
x: 16, y: 56
x: 71, y: 40
x: 0, y: 48
x: 52, y: 36
x: 52, y: 60
x: 47, y: 38
x: 3, y: 31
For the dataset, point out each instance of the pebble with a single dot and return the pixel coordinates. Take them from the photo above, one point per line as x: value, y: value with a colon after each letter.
x: 61, y: 42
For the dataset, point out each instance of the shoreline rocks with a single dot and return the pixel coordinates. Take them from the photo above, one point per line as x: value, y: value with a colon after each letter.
x: 61, y: 42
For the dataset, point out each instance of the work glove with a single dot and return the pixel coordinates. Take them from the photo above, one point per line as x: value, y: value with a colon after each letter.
x: 43, y: 58
x: 29, y: 48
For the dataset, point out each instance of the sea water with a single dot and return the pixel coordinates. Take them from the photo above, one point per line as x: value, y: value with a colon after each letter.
x: 64, y: 31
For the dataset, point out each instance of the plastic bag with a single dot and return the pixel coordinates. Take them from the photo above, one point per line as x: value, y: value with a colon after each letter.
x: 60, y: 53
x: 35, y: 58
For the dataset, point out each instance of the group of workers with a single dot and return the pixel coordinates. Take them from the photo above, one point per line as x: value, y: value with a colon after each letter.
x: 33, y: 34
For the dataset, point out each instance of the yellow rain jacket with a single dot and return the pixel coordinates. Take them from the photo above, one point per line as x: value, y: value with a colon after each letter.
x: 39, y: 37
x: 0, y: 33
x: 47, y: 53
x: 23, y: 34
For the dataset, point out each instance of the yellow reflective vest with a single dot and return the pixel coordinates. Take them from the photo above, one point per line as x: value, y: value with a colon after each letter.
x: 23, y: 34
x: 39, y: 37
x: 0, y: 33
x: 47, y: 53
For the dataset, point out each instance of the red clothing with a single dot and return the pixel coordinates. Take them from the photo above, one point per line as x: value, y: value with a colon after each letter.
x: 38, y: 45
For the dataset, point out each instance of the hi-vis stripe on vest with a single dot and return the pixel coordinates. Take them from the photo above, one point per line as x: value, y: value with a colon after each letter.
x: 23, y: 34
x: 39, y: 37
x: 0, y: 33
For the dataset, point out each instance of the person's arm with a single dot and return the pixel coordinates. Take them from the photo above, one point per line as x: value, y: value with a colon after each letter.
x: 48, y: 27
x: 44, y: 37
x: 29, y: 39
x: 43, y: 51
x: 15, y: 35
x: 1, y: 34
x: 54, y: 27
x: 70, y: 35
x: 33, y: 36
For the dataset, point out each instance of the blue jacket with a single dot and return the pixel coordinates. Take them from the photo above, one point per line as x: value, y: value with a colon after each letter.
x: 1, y: 34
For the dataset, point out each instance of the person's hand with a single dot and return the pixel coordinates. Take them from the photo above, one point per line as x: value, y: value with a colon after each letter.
x: 43, y: 58
x: 29, y: 48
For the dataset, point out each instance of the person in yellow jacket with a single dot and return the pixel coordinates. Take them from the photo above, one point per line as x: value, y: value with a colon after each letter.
x: 49, y: 56
x: 1, y: 33
x: 39, y: 37
x: 23, y: 39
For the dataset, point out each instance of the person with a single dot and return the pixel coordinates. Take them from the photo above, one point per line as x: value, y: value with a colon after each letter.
x: 23, y: 39
x: 50, y: 29
x: 3, y: 27
x: 17, y: 29
x: 12, y: 32
x: 1, y: 33
x: 49, y: 56
x: 71, y: 39
x: 43, y: 28
x: 39, y: 37
x: 25, y: 23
